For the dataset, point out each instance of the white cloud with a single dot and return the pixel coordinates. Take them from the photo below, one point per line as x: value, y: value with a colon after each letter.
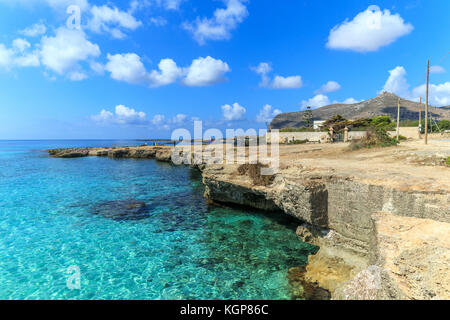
x: 347, y: 101
x: 6, y: 57
x: 126, y: 115
x: 368, y: 31
x: 218, y: 27
x: 21, y: 44
x: 123, y: 115
x: 168, y: 73
x: 292, y: 82
x: 206, y: 71
x: 263, y: 69
x: 158, y: 21
x: 126, y: 67
x: 158, y: 119
x: 97, y: 67
x: 112, y: 20
x: 103, y: 116
x: 64, y: 52
x: 170, y: 4
x: 279, y: 82
x: 350, y: 101
x: 437, y: 69
x: 35, y: 30
x: 55, y: 4
x: 397, y: 83
x: 18, y: 55
x: 179, y: 119
x: 267, y: 113
x: 28, y: 60
x: 202, y: 72
x: 439, y: 94
x: 317, y: 101
x: 330, y: 86
x: 234, y: 112
x: 63, y: 4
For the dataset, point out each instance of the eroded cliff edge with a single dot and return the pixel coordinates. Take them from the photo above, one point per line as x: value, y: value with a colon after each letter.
x: 383, y: 225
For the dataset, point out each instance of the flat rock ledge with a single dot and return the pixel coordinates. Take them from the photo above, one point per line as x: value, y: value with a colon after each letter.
x: 160, y: 153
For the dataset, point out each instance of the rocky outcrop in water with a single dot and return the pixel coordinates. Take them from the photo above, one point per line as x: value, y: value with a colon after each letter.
x: 160, y: 153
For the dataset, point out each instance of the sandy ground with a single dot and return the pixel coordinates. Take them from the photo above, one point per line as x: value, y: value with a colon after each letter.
x: 411, y: 165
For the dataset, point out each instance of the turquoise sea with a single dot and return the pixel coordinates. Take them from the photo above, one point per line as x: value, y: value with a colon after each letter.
x: 57, y: 213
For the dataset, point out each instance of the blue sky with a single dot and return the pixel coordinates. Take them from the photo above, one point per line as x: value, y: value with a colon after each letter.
x: 141, y: 69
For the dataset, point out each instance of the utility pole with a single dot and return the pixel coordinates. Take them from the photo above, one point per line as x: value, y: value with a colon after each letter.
x: 426, y: 103
x: 420, y: 112
x: 420, y: 118
x: 398, y: 120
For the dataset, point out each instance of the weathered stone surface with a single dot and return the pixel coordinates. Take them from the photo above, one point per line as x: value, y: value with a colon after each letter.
x: 415, y: 254
x: 338, y: 216
x: 69, y: 153
x: 160, y: 153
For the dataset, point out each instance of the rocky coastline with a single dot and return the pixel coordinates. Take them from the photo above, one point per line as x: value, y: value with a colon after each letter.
x: 382, y: 232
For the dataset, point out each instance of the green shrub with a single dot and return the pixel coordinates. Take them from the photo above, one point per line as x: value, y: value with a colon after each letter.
x: 447, y: 162
x: 377, y: 137
x: 301, y: 129
x: 381, y: 121
x: 444, y: 125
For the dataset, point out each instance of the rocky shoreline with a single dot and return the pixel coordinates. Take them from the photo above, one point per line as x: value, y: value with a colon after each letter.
x: 160, y: 153
x: 381, y: 234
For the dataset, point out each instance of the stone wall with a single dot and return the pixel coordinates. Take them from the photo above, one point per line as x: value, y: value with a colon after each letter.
x: 408, y: 132
x: 322, y: 137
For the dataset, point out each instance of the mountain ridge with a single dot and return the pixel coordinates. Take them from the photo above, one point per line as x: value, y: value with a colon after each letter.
x: 383, y: 104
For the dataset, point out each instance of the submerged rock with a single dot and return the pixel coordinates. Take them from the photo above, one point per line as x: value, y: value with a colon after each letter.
x: 303, y: 288
x: 121, y: 210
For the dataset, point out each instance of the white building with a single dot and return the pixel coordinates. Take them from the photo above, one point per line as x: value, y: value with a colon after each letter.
x: 318, y: 124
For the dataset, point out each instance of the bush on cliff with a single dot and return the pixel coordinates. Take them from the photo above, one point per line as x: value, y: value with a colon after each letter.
x: 374, y: 138
x: 254, y: 172
x: 447, y: 162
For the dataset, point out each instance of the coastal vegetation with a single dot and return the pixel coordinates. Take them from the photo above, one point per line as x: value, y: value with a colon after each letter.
x: 338, y: 123
x: 298, y: 141
x: 301, y: 129
x: 374, y: 138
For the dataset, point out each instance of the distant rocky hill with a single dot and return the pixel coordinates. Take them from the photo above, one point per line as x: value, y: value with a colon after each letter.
x: 384, y: 104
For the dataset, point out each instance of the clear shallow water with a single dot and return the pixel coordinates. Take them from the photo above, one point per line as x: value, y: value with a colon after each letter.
x: 184, y: 249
